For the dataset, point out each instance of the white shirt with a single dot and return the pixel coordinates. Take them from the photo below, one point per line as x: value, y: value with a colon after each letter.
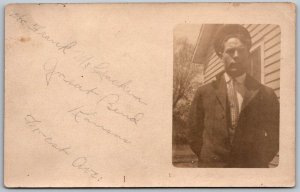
x: 238, y: 86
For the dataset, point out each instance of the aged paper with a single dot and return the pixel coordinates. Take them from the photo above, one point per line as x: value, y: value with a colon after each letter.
x: 89, y: 98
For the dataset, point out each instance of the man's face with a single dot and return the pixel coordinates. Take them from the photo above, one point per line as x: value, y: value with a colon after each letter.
x: 235, y: 57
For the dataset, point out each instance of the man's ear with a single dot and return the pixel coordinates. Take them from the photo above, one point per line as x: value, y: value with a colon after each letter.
x: 220, y: 55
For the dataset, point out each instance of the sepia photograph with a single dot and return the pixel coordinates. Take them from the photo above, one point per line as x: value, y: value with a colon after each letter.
x: 226, y: 92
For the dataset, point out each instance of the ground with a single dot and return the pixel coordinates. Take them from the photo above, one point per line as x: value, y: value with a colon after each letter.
x: 184, y: 157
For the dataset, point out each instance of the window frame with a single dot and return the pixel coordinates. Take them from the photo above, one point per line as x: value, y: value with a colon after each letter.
x: 261, y: 45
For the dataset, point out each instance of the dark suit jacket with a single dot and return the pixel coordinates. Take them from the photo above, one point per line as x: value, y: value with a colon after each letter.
x: 256, y: 138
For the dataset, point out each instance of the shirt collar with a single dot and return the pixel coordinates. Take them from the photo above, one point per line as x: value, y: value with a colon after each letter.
x: 240, y: 79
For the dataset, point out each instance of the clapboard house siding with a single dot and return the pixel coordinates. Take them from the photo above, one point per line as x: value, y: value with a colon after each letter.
x: 213, y: 67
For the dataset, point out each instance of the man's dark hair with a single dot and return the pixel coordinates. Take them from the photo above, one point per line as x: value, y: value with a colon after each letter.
x: 229, y: 31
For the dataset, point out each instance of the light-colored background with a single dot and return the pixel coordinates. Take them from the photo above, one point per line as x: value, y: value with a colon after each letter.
x: 168, y: 154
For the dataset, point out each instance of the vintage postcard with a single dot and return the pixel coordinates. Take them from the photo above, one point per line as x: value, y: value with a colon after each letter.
x: 150, y: 95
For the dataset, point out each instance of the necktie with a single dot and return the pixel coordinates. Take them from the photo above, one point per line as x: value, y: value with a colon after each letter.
x: 233, y: 101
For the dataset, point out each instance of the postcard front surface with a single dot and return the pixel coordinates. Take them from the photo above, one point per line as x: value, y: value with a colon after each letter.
x: 129, y: 95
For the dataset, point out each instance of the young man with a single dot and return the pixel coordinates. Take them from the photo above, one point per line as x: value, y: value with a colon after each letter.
x: 234, y: 121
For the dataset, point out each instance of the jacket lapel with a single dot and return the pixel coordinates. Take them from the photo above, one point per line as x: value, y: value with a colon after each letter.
x: 221, y: 90
x: 252, y: 88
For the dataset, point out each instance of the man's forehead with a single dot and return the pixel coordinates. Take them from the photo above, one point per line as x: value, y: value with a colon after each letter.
x: 233, y: 42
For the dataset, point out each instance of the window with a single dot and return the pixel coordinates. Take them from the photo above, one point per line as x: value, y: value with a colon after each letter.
x: 255, y: 69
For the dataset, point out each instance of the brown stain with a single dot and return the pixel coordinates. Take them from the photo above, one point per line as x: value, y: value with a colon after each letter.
x: 24, y: 39
x: 234, y: 4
